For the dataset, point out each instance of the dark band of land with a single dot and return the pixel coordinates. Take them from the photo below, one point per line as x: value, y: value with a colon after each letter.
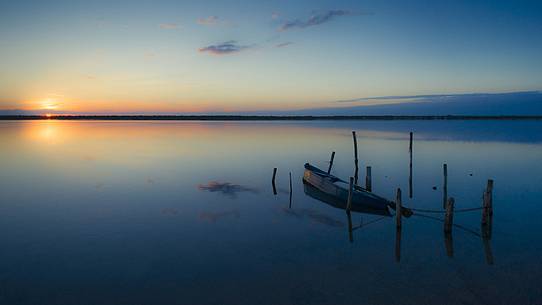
x: 265, y: 117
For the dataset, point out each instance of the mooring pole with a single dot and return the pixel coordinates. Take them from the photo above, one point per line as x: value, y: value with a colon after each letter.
x: 350, y: 229
x: 331, y: 162
x: 398, y: 244
x: 398, y: 209
x: 489, y: 189
x: 449, y: 216
x: 410, y: 168
x: 350, y: 194
x: 487, y: 211
x: 449, y: 244
x: 445, y: 186
x: 290, y: 189
x: 355, y: 158
x: 273, y: 181
x: 368, y: 178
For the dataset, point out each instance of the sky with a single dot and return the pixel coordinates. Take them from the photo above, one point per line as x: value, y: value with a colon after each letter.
x: 230, y: 56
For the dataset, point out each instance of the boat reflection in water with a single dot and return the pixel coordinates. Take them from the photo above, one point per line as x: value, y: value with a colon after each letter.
x: 336, y: 202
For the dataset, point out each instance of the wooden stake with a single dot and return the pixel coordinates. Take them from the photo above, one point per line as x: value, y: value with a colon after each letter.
x: 410, y: 168
x: 449, y: 216
x: 350, y: 229
x: 350, y: 194
x: 290, y: 189
x: 449, y: 243
x: 485, y: 211
x: 398, y: 209
x: 489, y: 190
x: 445, y: 186
x: 410, y: 146
x: 331, y: 162
x: 273, y: 180
x: 355, y: 158
x: 368, y: 182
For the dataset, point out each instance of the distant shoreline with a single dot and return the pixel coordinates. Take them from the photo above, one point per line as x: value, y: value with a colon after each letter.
x: 265, y: 117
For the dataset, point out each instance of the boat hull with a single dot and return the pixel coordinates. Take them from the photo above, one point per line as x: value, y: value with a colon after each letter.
x: 334, y: 191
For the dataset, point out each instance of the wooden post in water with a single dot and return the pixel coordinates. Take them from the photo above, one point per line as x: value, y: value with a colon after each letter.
x: 449, y: 243
x: 350, y: 229
x: 350, y: 194
x: 445, y: 186
x: 368, y: 178
x: 290, y: 190
x: 331, y: 162
x: 449, y: 216
x: 489, y: 190
x: 355, y: 158
x: 487, y: 221
x: 273, y: 181
x: 410, y: 168
x: 487, y: 211
x: 398, y: 209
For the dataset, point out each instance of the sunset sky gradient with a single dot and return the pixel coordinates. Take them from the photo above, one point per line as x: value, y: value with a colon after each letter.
x: 209, y: 56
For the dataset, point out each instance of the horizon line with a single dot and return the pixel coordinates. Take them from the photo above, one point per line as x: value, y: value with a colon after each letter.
x: 228, y: 117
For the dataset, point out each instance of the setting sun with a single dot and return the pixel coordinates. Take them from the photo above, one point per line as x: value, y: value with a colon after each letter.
x: 49, y: 104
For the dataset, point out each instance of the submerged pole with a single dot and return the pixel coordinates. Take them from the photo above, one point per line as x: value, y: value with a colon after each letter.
x: 355, y: 158
x: 449, y: 216
x: 445, y: 185
x: 398, y: 209
x: 368, y: 182
x: 273, y: 181
x: 410, y: 167
x: 350, y: 194
x: 331, y: 162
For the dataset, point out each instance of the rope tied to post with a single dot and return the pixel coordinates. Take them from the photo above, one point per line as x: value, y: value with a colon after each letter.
x: 443, y: 212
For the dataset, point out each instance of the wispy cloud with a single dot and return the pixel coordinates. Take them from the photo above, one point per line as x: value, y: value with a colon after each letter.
x: 284, y: 44
x: 434, y: 97
x: 211, y: 20
x: 275, y: 15
x: 225, y: 48
x: 169, y: 26
x: 316, y: 19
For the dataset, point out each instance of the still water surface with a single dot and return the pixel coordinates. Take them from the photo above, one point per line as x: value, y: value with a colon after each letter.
x: 184, y: 213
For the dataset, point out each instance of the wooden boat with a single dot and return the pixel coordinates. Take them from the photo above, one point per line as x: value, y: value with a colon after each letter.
x: 334, y: 191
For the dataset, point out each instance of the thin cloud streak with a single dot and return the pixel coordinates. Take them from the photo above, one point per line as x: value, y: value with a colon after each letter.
x: 209, y: 21
x: 314, y: 20
x: 169, y: 26
x: 225, y: 48
x: 284, y: 44
x: 432, y: 96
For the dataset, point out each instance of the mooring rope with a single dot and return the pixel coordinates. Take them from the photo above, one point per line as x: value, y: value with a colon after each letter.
x: 363, y: 225
x: 442, y: 212
x: 471, y: 231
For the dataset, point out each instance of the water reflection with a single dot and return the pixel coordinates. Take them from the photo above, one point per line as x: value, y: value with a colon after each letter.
x: 225, y: 188
x: 314, y: 216
x: 79, y: 198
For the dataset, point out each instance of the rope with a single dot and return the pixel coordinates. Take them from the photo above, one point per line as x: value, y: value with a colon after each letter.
x: 455, y: 225
x: 442, y: 212
x: 362, y: 225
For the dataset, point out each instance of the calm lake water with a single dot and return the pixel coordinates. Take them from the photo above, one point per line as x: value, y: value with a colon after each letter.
x: 184, y: 213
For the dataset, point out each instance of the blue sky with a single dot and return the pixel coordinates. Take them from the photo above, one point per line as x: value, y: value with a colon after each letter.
x: 183, y: 56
